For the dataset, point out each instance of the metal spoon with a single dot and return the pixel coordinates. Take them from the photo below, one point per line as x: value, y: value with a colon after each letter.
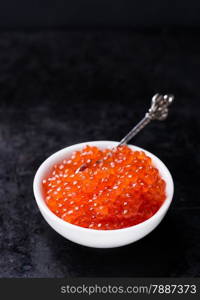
x: 157, y: 111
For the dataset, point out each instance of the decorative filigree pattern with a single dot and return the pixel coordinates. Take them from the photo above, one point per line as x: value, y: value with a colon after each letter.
x: 159, y: 107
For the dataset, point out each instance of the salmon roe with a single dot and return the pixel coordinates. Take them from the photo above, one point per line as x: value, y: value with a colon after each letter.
x: 114, y: 190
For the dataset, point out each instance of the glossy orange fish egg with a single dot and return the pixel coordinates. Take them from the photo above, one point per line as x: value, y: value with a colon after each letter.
x: 115, y: 189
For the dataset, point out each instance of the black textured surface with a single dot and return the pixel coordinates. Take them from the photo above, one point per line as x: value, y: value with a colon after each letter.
x: 61, y: 88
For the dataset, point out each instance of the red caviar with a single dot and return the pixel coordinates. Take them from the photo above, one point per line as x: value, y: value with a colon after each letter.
x: 111, y: 192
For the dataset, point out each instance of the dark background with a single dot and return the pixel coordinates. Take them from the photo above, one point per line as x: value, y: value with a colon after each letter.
x: 98, y: 14
x: 74, y: 72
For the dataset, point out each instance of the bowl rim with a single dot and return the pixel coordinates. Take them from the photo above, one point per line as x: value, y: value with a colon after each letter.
x: 75, y: 147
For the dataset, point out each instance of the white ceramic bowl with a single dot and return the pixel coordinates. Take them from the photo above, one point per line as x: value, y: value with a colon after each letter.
x: 92, y: 237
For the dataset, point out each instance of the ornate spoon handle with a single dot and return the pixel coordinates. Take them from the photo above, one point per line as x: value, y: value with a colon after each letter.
x: 157, y: 111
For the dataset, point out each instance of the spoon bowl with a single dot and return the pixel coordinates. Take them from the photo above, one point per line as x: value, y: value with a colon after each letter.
x: 92, y: 237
